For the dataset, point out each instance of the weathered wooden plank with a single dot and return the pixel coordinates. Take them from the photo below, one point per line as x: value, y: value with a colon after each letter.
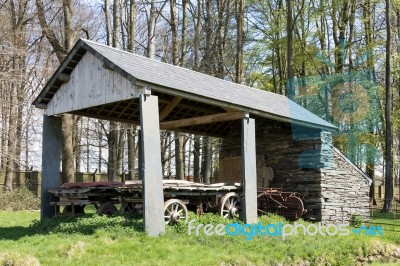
x: 90, y: 84
x: 51, y: 155
x: 201, y: 120
x: 153, y: 198
x: 249, y: 170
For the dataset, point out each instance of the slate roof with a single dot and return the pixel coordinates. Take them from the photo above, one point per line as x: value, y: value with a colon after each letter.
x: 179, y: 79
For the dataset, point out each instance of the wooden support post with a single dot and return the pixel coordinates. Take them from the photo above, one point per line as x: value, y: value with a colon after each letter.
x: 51, y: 156
x: 153, y: 196
x: 249, y: 171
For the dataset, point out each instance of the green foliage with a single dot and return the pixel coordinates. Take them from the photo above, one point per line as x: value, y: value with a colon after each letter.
x: 19, y: 199
x: 89, y: 224
x: 356, y: 220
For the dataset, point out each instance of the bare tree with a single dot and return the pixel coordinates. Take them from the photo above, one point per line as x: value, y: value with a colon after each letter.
x: 151, y: 49
x: 387, y: 205
x: 61, y: 52
x: 239, y: 41
x: 17, y: 21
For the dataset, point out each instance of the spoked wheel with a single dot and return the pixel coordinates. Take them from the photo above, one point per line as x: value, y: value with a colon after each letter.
x: 230, y: 205
x: 175, y: 211
x: 294, y: 208
x: 127, y: 207
x: 106, y: 208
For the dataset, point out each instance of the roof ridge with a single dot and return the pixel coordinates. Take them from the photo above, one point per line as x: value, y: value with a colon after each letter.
x: 181, y: 67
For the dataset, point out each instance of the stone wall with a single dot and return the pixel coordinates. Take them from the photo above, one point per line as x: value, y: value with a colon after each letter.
x: 345, y: 190
x: 304, y: 162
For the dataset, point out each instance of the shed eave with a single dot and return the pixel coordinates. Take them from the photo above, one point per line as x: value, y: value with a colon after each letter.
x: 223, y: 104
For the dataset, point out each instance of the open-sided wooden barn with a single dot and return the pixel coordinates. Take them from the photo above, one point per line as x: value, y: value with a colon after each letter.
x: 259, y: 127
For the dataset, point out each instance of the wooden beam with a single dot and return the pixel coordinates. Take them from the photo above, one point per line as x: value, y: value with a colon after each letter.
x: 63, y: 77
x: 170, y: 106
x: 229, y: 109
x: 201, y: 120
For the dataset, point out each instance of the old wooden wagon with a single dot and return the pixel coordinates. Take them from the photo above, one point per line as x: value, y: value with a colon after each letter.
x: 179, y: 196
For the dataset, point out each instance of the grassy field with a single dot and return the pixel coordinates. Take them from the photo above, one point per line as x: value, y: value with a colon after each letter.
x: 119, y: 240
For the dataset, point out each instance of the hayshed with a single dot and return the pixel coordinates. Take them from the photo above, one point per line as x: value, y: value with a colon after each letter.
x: 102, y: 82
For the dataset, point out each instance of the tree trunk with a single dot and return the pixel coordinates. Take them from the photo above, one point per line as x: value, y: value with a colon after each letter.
x: 12, y: 138
x: 190, y: 152
x: 179, y: 156
x: 131, y: 31
x: 113, y: 142
x: 67, y: 119
x: 112, y: 137
x: 240, y: 40
x: 100, y: 143
x: 207, y: 60
x: 196, y: 44
x: 4, y: 125
x: 20, y: 106
x: 205, y: 169
x: 16, y: 85
x: 67, y: 149
x: 179, y: 138
x: 174, y: 30
x: 289, y: 50
x: 196, y: 158
x: 183, y: 37
x: 151, y: 48
x: 387, y: 206
x: 131, y: 132
x: 116, y: 36
x: 77, y: 140
x: 108, y: 20
x: 121, y: 151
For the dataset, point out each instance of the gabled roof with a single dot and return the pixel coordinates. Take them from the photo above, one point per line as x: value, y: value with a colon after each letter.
x: 179, y: 81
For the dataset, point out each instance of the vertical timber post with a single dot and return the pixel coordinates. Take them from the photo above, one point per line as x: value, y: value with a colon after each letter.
x: 51, y: 156
x: 153, y: 196
x: 249, y: 170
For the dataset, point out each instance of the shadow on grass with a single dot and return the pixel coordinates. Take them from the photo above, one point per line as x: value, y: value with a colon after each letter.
x: 83, y: 224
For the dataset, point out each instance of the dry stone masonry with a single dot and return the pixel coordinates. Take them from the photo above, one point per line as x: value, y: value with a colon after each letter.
x: 301, y: 160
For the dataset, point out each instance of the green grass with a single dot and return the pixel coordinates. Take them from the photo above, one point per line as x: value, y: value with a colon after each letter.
x: 119, y: 240
x: 390, y: 222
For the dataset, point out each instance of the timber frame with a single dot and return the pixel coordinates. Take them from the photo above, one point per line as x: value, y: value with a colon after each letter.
x: 106, y: 83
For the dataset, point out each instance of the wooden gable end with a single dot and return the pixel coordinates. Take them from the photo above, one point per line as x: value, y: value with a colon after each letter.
x: 91, y: 84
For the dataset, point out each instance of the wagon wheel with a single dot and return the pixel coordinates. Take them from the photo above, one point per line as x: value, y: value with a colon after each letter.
x: 79, y: 209
x: 294, y: 207
x: 106, y: 208
x: 230, y: 205
x: 175, y: 211
x: 127, y: 207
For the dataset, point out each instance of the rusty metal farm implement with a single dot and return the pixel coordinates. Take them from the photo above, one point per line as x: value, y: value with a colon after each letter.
x: 287, y: 204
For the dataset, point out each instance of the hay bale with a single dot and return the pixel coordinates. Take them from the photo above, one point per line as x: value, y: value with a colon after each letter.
x: 230, y: 171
